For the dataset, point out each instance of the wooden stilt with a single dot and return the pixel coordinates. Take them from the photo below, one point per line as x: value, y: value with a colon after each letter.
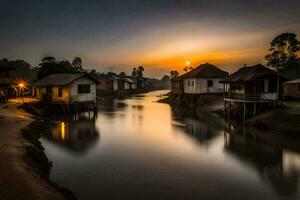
x: 244, y: 110
x: 254, y: 109
x: 229, y: 113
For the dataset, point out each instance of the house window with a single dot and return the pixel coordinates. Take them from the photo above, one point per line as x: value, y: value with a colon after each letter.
x: 60, y: 92
x: 210, y: 83
x: 84, y: 88
x: 298, y: 87
x: 192, y: 83
x: 189, y: 83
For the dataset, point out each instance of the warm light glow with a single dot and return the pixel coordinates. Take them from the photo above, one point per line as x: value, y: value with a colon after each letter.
x: 187, y: 63
x: 62, y: 131
x: 21, y: 85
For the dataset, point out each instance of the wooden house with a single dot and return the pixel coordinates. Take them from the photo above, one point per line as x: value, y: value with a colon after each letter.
x: 205, y: 79
x: 112, y: 82
x: 108, y: 82
x: 252, y: 85
x: 177, y: 85
x: 292, y: 88
x: 129, y: 83
x: 66, y: 89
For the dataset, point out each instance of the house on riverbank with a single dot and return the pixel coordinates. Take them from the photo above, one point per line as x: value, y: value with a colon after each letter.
x: 112, y: 82
x: 109, y: 82
x: 79, y: 88
x: 129, y: 83
x: 205, y: 79
x: 292, y: 89
x: 252, y: 88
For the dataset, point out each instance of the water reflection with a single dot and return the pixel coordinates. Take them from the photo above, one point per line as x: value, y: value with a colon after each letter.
x: 275, y: 165
x: 75, y: 135
x: 150, y: 151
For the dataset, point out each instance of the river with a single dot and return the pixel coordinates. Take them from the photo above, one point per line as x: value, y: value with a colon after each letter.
x: 137, y: 148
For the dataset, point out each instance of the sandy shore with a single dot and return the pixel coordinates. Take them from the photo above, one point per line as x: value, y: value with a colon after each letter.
x: 18, y: 179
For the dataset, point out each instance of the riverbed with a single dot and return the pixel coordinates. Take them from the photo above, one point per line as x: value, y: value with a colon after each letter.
x: 137, y: 148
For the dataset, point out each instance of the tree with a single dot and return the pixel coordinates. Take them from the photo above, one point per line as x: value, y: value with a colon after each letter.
x: 134, y: 73
x: 165, y: 78
x: 166, y: 82
x: 48, y: 59
x: 122, y: 74
x: 94, y: 73
x: 140, y: 71
x: 174, y: 74
x: 77, y: 63
x: 21, y: 69
x: 188, y: 68
x: 283, y: 50
x: 50, y: 66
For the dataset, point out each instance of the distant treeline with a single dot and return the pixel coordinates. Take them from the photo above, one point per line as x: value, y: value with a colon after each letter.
x: 49, y: 65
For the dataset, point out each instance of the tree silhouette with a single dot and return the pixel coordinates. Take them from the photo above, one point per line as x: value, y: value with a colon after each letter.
x: 77, y: 63
x: 48, y: 59
x: 283, y: 50
x: 134, y: 73
x: 122, y: 74
x: 174, y: 74
x: 50, y: 66
x: 140, y: 71
x: 188, y: 68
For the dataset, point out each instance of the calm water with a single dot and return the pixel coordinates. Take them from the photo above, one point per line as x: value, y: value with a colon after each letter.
x: 139, y: 149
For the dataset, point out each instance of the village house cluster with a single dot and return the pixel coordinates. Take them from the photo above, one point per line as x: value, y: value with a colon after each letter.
x: 249, y: 89
x: 112, y: 82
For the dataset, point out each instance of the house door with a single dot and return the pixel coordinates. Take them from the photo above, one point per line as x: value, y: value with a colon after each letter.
x: 48, y: 95
x: 260, y: 86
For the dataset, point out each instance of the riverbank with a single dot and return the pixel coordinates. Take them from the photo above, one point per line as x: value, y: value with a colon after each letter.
x: 24, y: 166
x: 284, y: 121
x: 195, y: 103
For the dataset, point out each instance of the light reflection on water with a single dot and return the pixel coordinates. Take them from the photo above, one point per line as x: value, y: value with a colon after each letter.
x: 139, y: 149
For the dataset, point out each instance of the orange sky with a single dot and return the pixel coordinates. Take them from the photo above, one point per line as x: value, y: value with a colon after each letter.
x: 159, y: 35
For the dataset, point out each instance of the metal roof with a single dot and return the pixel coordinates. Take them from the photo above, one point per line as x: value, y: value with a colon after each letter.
x: 246, y: 74
x: 204, y: 71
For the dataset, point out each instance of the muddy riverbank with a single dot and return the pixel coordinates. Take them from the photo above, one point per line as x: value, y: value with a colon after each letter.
x: 24, y: 166
x: 283, y: 120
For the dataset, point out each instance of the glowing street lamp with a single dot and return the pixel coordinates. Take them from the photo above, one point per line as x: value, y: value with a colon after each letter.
x: 21, y: 85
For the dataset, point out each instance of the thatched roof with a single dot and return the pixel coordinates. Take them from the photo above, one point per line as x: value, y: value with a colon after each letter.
x: 204, y: 71
x: 61, y: 79
x: 247, y: 74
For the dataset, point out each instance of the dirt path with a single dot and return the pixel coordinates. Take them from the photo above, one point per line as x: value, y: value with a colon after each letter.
x: 17, y: 179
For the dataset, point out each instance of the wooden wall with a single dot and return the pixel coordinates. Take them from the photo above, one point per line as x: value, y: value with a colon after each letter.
x: 291, y: 89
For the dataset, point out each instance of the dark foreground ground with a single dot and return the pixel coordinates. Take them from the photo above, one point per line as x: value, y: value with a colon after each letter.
x: 21, y: 164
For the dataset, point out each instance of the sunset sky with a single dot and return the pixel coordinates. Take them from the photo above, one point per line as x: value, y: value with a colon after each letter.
x: 159, y: 34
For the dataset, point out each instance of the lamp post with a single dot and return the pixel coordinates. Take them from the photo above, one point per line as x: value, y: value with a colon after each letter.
x: 22, y: 86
